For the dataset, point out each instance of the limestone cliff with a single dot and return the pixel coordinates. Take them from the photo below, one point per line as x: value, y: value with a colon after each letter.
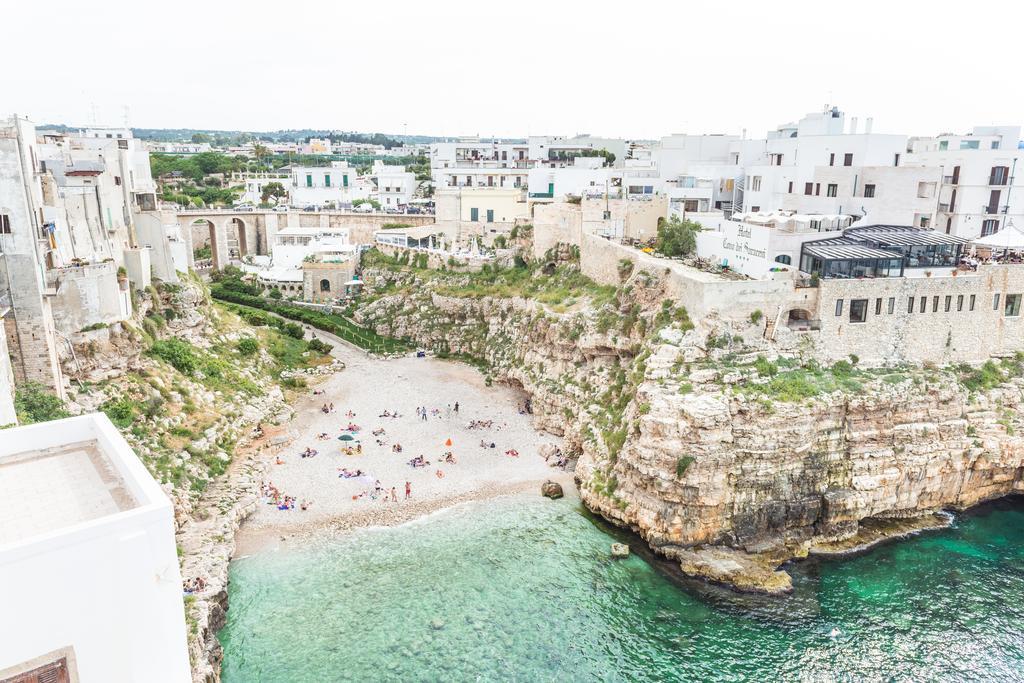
x: 713, y: 449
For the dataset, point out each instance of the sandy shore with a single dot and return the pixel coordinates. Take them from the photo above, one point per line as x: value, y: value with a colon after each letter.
x: 368, y: 387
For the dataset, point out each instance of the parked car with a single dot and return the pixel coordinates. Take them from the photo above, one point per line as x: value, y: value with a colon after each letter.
x: 413, y: 209
x: 310, y: 207
x: 244, y: 207
x: 364, y: 208
x: 281, y: 208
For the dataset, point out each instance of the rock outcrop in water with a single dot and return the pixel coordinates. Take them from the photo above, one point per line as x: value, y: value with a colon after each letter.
x: 720, y: 454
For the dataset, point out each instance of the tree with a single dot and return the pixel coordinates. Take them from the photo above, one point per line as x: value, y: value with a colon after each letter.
x: 260, y: 152
x: 677, y: 237
x: 275, y: 190
x: 200, y: 138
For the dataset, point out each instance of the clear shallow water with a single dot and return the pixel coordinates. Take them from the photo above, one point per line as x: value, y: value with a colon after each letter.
x: 522, y: 589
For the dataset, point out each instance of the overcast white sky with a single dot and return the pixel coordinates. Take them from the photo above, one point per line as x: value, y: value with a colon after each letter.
x: 622, y: 69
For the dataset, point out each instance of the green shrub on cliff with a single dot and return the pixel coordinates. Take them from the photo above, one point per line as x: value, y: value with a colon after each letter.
x: 34, y: 403
x: 180, y: 354
x: 682, y: 464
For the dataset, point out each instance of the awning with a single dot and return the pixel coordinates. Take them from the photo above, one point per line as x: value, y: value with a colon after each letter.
x: 1010, y: 237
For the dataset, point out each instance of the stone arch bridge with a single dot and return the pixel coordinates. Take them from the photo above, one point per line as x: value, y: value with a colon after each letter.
x: 234, y: 234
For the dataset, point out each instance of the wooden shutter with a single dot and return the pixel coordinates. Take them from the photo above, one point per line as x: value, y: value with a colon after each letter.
x: 54, y: 672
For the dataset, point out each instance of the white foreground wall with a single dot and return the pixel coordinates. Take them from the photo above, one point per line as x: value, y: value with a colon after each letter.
x: 108, y: 588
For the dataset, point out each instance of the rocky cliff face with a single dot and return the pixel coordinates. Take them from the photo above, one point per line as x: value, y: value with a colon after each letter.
x: 718, y: 454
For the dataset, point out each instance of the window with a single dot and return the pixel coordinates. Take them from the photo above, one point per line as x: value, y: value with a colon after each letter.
x: 832, y: 159
x: 995, y: 303
x: 344, y: 181
x: 474, y: 214
x: 970, y: 144
x: 994, y: 145
x: 892, y: 304
x: 791, y: 187
x: 1012, y: 308
x: 959, y: 303
x: 878, y: 307
x: 817, y: 189
x: 816, y: 225
x: 755, y: 183
x: 935, y: 304
x: 327, y: 180
x: 325, y: 285
x: 924, y: 304
x: 896, y: 161
x: 949, y: 303
x: 832, y: 190
x: 309, y: 180
x: 943, y: 145
x: 858, y: 310
x: 972, y: 303
x: 490, y: 215
x: 847, y: 160
x: 808, y: 188
x: 755, y: 209
x: 910, y: 305
x: 989, y: 226
x: 5, y: 224
x: 117, y: 180
x: 993, y: 201
x: 998, y: 175
x: 784, y: 258
x: 869, y: 190
x: 839, y: 307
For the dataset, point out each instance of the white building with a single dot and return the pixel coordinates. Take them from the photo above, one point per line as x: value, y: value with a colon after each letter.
x: 471, y: 162
x: 394, y: 187
x: 759, y: 245
x: 88, y: 565
x: 586, y: 178
x: 290, y: 248
x: 331, y: 186
x: 982, y: 179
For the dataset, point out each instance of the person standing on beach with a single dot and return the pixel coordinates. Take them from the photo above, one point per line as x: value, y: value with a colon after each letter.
x: 408, y: 490
x: 424, y: 413
x: 394, y: 495
x: 448, y: 412
x: 456, y: 407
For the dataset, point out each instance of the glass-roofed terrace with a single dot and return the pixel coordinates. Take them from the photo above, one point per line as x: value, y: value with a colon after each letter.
x: 880, y: 251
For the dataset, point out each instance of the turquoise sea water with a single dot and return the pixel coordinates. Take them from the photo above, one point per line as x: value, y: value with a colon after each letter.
x: 523, y: 589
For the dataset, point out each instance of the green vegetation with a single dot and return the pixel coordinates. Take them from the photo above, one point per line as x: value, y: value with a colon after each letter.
x: 235, y: 291
x: 120, y: 411
x: 248, y: 346
x: 372, y: 202
x: 682, y: 464
x: 94, y: 326
x: 560, y: 289
x: 395, y: 226
x: 179, y: 353
x: 755, y: 316
x: 991, y: 374
x: 676, y: 237
x: 318, y: 346
x: 34, y: 403
x: 273, y: 190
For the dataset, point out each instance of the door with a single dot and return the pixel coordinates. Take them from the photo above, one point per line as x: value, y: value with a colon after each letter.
x: 490, y: 215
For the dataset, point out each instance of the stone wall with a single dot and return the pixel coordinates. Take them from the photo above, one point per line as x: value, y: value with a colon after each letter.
x: 949, y: 330
x: 88, y: 295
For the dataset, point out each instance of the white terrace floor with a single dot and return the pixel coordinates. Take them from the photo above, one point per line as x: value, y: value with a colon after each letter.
x: 47, y: 489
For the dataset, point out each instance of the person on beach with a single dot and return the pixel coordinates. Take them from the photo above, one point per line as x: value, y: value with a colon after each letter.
x: 408, y: 490
x: 424, y: 413
x: 456, y: 407
x: 448, y: 412
x: 394, y: 495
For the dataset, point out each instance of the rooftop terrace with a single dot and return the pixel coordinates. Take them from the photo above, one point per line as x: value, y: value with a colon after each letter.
x: 51, y: 488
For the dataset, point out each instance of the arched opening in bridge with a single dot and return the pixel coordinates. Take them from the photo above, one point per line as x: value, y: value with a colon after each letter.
x: 237, y: 239
x: 204, y: 244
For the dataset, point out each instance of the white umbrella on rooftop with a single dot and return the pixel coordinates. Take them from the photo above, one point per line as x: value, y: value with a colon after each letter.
x: 1010, y: 237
